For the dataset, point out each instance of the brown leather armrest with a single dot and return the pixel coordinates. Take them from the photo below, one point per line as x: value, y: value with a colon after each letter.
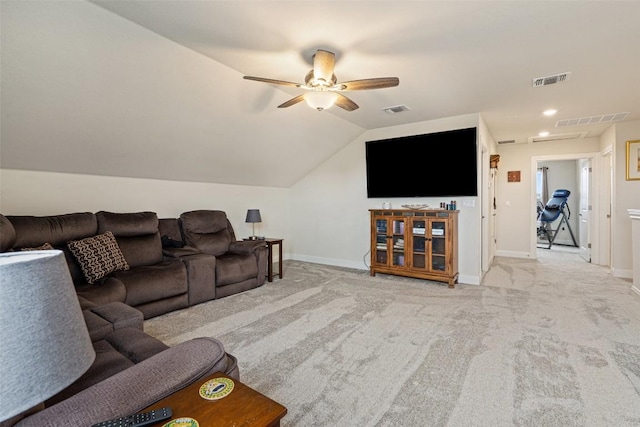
x: 180, y: 252
x: 244, y: 247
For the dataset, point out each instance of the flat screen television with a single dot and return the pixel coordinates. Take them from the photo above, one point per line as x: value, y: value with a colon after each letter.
x: 441, y: 164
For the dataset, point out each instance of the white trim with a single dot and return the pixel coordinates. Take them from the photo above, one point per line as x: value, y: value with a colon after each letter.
x: 330, y: 261
x: 469, y: 280
x: 466, y: 280
x: 622, y: 273
x: 514, y: 254
x: 636, y: 290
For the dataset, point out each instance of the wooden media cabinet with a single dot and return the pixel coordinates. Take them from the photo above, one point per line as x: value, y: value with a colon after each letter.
x: 415, y: 243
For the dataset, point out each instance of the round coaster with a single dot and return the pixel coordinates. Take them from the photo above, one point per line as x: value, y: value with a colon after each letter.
x: 182, y: 422
x: 216, y: 388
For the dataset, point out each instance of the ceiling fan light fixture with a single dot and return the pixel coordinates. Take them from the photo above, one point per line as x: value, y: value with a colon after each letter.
x: 321, y: 99
x: 322, y: 84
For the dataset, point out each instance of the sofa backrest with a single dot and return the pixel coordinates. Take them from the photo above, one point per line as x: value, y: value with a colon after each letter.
x: 57, y: 230
x: 136, y: 233
x: 207, y: 230
x: 170, y: 227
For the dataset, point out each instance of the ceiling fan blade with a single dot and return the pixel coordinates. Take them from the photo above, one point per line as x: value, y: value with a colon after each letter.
x: 292, y: 101
x: 272, y: 81
x: 378, y: 83
x: 345, y: 103
x: 323, y: 64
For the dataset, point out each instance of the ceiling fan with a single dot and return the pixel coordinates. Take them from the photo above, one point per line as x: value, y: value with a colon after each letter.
x: 323, y: 88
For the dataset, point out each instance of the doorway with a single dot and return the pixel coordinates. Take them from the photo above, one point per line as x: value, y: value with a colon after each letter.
x: 577, y: 173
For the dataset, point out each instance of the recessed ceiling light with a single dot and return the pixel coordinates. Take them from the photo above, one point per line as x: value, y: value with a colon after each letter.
x: 549, y: 112
x: 545, y: 133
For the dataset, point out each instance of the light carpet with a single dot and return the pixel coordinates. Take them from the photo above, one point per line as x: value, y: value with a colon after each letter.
x: 547, y: 342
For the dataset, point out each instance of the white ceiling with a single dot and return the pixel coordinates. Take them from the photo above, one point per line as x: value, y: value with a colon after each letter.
x: 452, y: 57
x: 154, y: 89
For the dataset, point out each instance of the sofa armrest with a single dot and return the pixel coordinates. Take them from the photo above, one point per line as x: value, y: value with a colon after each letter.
x: 245, y: 247
x: 180, y: 252
x: 201, y: 274
x: 137, y: 387
x: 103, y: 320
x: 120, y: 315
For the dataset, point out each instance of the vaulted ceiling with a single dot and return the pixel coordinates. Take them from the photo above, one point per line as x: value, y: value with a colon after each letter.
x: 158, y: 91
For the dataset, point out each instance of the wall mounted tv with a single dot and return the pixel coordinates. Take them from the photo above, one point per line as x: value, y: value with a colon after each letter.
x: 441, y: 164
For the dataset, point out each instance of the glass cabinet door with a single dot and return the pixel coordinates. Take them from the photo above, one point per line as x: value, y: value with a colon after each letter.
x: 381, y: 242
x: 418, y: 239
x: 397, y: 228
x: 438, y: 245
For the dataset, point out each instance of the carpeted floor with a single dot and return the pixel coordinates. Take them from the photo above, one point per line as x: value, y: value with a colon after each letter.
x: 547, y: 342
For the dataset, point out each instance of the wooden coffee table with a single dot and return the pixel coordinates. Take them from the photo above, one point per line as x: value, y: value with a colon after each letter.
x: 242, y: 407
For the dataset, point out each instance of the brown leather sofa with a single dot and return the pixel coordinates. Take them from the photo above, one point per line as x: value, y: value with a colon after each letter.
x: 159, y: 279
x: 132, y: 370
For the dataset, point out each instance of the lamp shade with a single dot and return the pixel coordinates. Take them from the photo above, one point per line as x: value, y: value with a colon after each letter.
x: 253, y: 215
x: 45, y: 341
x: 320, y: 100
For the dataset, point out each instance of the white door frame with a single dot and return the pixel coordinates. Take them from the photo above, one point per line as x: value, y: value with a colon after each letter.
x: 585, y: 211
x: 486, y: 252
x: 605, y: 185
x: 594, y: 192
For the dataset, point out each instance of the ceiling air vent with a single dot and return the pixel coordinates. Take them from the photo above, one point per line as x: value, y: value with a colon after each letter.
x: 507, y: 141
x: 395, y: 109
x: 603, y: 118
x: 557, y: 137
x: 550, y: 80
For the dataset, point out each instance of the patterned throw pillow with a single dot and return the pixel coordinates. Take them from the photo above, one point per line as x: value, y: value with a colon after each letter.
x: 98, y: 256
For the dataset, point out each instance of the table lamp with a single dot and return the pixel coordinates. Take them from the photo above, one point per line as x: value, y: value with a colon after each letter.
x: 253, y: 216
x: 45, y: 341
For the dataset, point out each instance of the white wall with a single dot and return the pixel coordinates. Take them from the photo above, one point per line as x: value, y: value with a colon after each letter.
x: 51, y: 193
x: 515, y: 199
x: 86, y: 91
x: 626, y: 195
x: 330, y: 209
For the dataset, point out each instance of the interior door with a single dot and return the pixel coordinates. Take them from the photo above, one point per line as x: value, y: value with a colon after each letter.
x: 585, y: 209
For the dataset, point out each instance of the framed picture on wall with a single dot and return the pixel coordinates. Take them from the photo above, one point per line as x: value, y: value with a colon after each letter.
x: 633, y: 160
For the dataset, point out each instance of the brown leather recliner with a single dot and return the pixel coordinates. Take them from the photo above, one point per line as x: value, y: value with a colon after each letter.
x: 240, y: 265
x: 154, y: 284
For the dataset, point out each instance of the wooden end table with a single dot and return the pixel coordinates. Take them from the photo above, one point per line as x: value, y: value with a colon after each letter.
x: 270, y: 242
x: 242, y: 407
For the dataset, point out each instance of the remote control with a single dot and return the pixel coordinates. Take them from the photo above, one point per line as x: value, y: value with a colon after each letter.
x: 138, y: 420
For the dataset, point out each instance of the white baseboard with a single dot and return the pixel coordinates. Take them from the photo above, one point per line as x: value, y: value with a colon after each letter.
x: 330, y: 261
x: 513, y: 254
x: 623, y: 274
x: 469, y: 280
x: 465, y: 279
